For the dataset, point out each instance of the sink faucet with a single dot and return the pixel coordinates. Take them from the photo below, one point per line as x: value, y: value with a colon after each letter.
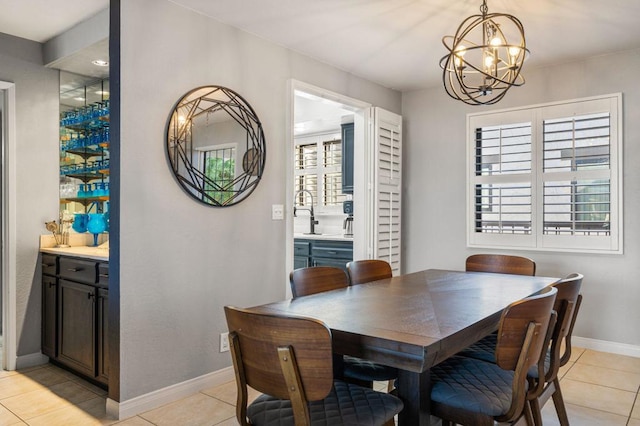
x: 312, y: 220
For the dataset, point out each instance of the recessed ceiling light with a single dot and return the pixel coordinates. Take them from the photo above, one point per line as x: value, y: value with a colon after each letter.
x: 79, y: 98
x: 102, y: 92
x: 100, y: 63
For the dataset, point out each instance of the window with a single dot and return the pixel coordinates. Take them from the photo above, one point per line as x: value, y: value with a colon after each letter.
x: 547, y: 177
x: 218, y: 164
x: 318, y: 169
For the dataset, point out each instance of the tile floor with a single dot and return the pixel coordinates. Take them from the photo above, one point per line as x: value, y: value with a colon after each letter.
x: 598, y: 388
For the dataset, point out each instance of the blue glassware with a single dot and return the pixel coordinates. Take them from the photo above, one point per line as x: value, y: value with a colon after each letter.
x: 80, y: 222
x: 97, y: 225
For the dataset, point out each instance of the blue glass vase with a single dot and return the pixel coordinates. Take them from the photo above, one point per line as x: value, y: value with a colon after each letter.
x: 96, y: 226
x: 80, y: 222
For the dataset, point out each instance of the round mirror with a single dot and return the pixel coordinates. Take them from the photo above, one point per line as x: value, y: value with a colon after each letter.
x: 215, y: 146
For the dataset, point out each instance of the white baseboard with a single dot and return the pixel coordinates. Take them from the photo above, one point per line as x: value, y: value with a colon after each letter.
x: 31, y: 360
x: 606, y: 346
x: 131, y: 407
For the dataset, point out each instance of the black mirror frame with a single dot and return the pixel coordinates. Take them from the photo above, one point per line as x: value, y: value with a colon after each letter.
x: 193, y: 180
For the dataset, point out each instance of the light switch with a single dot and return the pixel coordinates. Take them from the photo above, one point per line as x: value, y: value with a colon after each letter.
x: 277, y: 212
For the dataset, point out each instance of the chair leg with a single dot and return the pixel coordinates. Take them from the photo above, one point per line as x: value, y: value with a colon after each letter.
x: 528, y: 415
x: 391, y: 422
x: 559, y: 404
x: 536, y: 411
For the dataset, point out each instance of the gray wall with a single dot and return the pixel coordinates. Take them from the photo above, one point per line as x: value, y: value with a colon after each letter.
x: 181, y: 262
x: 37, y: 99
x: 435, y: 187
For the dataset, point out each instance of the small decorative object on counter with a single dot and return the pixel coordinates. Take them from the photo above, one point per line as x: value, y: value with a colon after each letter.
x: 80, y: 222
x: 96, y: 225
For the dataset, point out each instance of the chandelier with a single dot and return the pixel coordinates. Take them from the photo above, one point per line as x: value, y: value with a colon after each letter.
x: 485, y: 58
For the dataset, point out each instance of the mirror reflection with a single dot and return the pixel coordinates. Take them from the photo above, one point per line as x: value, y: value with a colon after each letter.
x: 215, y: 146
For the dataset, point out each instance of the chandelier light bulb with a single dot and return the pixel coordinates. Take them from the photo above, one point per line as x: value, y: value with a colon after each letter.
x: 496, y: 41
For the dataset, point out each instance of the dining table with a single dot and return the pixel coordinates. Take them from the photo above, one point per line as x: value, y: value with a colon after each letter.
x: 413, y: 322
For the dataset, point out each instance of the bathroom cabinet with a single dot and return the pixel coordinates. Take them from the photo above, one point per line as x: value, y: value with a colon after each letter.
x: 75, y: 315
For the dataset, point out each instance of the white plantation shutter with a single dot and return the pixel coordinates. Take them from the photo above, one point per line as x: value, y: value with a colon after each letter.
x: 387, y: 187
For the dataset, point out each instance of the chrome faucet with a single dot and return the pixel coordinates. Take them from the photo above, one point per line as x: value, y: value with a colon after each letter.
x: 312, y: 220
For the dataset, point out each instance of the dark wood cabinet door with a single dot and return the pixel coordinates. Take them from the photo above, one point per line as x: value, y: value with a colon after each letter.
x: 77, y: 326
x: 49, y: 302
x: 103, y: 336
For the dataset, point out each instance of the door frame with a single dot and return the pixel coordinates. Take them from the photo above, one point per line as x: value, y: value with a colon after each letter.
x: 8, y: 219
x: 360, y: 120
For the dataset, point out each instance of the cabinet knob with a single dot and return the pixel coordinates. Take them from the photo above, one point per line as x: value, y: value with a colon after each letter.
x: 75, y: 269
x: 103, y: 275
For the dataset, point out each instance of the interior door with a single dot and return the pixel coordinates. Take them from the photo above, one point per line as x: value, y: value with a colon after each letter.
x: 385, y: 182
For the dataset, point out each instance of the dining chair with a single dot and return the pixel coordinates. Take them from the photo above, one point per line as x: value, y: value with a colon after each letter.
x: 559, y: 348
x: 501, y: 264
x: 289, y: 360
x: 316, y: 279
x: 556, y: 355
x: 367, y: 270
x: 470, y: 391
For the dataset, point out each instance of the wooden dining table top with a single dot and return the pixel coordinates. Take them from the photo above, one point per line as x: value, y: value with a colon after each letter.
x: 415, y: 320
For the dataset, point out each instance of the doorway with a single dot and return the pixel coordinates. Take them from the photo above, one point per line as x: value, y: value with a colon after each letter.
x: 316, y: 120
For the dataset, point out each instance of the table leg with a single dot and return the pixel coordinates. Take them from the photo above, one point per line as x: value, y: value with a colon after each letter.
x: 415, y: 390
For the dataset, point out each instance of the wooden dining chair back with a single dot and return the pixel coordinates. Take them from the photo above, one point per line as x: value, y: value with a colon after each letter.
x: 364, y: 271
x: 559, y: 351
x: 289, y: 360
x: 316, y: 279
x: 470, y: 391
x: 501, y: 264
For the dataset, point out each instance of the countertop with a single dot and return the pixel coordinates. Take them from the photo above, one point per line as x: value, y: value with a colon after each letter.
x: 331, y: 237
x: 96, y: 253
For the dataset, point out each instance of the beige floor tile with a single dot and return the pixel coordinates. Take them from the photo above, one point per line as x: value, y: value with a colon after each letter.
x: 39, y: 402
x: 608, y: 360
x: 634, y: 422
x: 134, y: 421
x: 5, y: 373
x: 17, y: 384
x: 597, y: 397
x: 87, y: 413
x: 635, y: 414
x: 575, y: 353
x: 195, y: 410
x: 581, y: 416
x: 229, y: 422
x: 46, y: 376
x: 605, y: 377
x: 7, y: 418
x: 564, y: 369
x: 228, y: 391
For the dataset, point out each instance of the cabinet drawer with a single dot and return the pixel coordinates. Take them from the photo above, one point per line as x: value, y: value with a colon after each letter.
x: 49, y: 264
x: 333, y: 250
x: 301, y: 248
x: 78, y: 270
x: 103, y: 274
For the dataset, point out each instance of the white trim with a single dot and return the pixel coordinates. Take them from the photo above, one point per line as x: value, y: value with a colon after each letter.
x: 157, y: 398
x: 9, y: 228
x: 606, y: 346
x: 31, y: 360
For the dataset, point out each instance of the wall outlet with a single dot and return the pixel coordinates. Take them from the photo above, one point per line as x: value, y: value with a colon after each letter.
x: 224, y: 342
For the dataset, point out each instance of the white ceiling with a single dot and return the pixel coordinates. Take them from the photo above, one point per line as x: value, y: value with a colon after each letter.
x: 396, y: 43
